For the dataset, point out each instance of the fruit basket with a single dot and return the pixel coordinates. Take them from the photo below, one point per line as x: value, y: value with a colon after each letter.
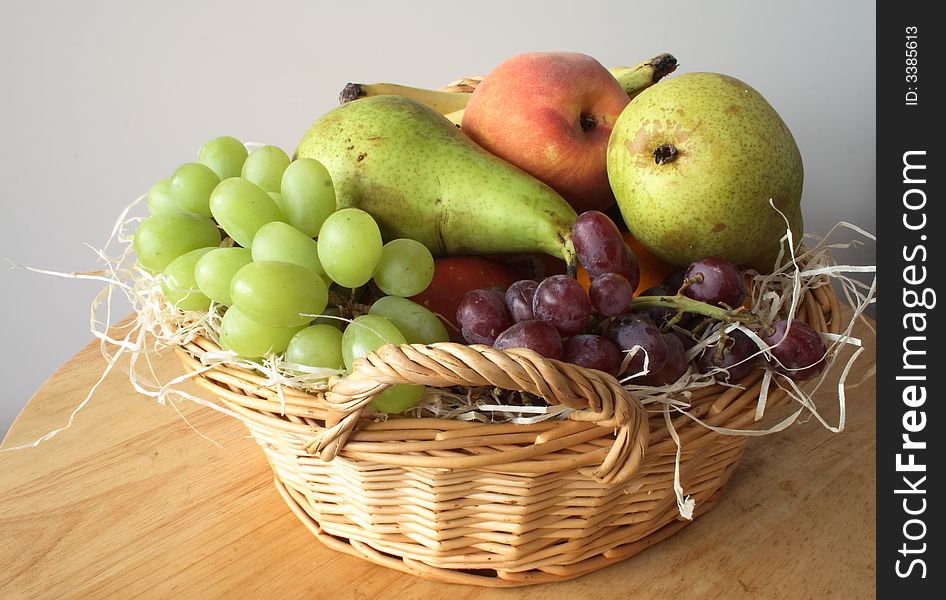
x: 498, y: 504
x: 580, y: 423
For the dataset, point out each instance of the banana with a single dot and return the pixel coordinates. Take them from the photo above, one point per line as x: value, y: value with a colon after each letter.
x: 455, y: 117
x: 442, y: 102
x: 453, y: 99
x: 640, y: 77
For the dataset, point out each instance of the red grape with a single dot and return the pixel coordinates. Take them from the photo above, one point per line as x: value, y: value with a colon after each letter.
x: 628, y: 331
x: 715, y: 281
x: 610, y: 294
x: 593, y: 352
x: 674, y: 367
x: 519, y: 299
x: 800, y: 354
x: 737, y: 349
x: 630, y: 270
x: 561, y: 301
x: 685, y: 337
x: 482, y: 315
x: 534, y: 335
x: 601, y: 249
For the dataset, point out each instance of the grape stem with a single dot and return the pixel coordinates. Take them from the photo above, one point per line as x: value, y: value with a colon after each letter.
x: 689, y: 305
x: 721, y: 345
x: 346, y: 303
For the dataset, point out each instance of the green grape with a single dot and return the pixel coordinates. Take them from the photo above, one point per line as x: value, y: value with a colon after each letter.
x: 179, y: 283
x: 278, y: 294
x: 191, y: 185
x: 366, y: 334
x: 215, y: 270
x: 307, y: 196
x: 160, y: 199
x: 398, y: 398
x: 162, y: 238
x: 265, y: 166
x: 242, y: 207
x: 406, y: 268
x: 418, y: 324
x: 317, y: 346
x: 282, y: 242
x: 225, y: 155
x: 249, y: 338
x: 350, y: 247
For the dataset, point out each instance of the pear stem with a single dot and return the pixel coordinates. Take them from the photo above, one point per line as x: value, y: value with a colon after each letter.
x: 689, y: 305
x: 665, y: 153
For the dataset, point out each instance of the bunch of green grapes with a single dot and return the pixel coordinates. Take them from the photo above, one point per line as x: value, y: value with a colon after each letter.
x: 289, y: 247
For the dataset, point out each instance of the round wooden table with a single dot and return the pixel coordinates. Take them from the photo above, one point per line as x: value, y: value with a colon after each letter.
x: 131, y: 501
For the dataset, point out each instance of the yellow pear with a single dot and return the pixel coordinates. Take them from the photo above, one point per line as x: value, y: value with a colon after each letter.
x: 694, y: 162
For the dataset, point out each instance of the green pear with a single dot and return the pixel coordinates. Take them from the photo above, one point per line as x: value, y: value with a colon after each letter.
x: 694, y: 162
x: 420, y: 177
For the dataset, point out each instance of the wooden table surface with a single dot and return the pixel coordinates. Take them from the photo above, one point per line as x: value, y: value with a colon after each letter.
x: 130, y: 502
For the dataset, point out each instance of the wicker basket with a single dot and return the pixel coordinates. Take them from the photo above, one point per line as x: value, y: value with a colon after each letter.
x: 491, y: 504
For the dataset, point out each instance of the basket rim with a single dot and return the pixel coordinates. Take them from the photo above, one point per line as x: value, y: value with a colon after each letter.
x: 615, y: 432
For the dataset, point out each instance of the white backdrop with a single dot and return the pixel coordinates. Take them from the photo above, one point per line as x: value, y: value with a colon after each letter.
x: 101, y: 98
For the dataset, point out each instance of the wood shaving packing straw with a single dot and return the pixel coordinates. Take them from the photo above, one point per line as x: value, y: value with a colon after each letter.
x: 167, y: 327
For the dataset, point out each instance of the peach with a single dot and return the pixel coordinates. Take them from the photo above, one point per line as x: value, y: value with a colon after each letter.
x: 551, y: 114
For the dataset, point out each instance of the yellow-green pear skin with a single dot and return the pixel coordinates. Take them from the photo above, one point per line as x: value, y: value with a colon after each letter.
x: 420, y: 177
x: 693, y: 162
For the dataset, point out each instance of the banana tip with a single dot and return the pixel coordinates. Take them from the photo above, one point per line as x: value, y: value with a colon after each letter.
x: 664, y: 64
x: 351, y: 91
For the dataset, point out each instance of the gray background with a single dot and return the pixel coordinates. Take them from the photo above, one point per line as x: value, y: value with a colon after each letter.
x: 101, y: 98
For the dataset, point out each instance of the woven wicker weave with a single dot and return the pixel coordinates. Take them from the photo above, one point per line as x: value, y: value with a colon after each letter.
x: 491, y: 504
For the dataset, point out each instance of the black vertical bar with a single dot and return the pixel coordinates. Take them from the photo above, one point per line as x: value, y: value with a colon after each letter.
x: 910, y: 421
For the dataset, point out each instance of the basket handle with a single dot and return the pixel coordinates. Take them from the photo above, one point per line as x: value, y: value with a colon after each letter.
x: 596, y: 397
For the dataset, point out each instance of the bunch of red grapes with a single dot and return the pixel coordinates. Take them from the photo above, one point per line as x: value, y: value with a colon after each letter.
x: 602, y: 329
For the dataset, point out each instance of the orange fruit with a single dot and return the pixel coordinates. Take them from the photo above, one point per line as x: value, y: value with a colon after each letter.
x: 653, y: 268
x: 583, y: 279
